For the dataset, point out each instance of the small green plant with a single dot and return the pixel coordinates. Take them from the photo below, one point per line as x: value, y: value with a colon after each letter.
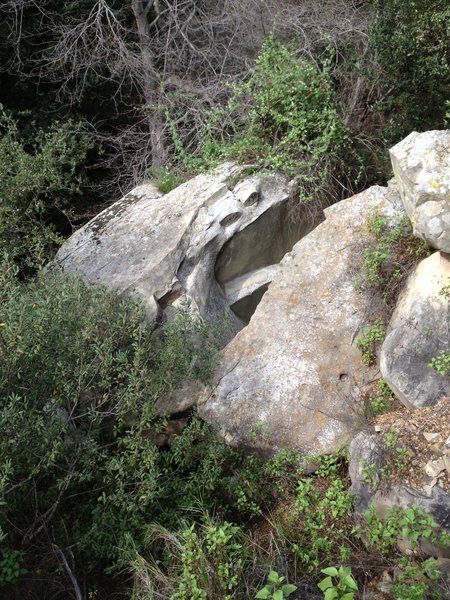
x: 275, y: 588
x: 396, y: 460
x: 165, y: 179
x: 11, y: 566
x: 414, y: 581
x: 321, y: 515
x: 338, y: 584
x: 380, y: 403
x: 376, y: 406
x: 258, y: 431
x: 441, y: 363
x: 369, y: 475
x: 411, y: 524
x: 414, y: 523
x: 211, y: 561
x: 372, y: 335
x: 391, y: 250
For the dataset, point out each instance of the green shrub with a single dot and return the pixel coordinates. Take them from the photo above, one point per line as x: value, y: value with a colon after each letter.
x: 284, y: 117
x: 369, y: 339
x: 390, y: 253
x: 79, y: 375
x: 166, y: 179
x: 409, y: 42
x: 37, y: 175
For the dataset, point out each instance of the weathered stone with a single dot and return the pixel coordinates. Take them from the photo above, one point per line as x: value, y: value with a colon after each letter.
x: 294, y: 376
x: 421, y: 164
x: 164, y: 248
x: 418, y: 330
x: 434, y: 467
x: 369, y: 449
x: 432, y: 438
x: 248, y: 191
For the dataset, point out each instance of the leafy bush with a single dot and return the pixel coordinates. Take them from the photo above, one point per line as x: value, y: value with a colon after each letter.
x: 37, y: 175
x: 284, y: 117
x: 79, y: 375
x: 409, y: 42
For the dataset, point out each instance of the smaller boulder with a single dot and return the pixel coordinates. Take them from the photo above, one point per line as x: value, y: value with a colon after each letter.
x: 368, y: 456
x: 418, y: 332
x: 421, y: 164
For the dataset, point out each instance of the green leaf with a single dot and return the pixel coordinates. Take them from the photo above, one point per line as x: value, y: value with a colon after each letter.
x: 273, y: 577
x: 348, y: 596
x: 263, y: 594
x: 278, y: 595
x: 288, y: 589
x: 351, y: 583
x: 330, y: 571
x: 325, y: 583
x: 331, y: 594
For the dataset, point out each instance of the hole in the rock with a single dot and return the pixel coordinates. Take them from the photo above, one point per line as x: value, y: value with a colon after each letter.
x: 245, y: 307
x: 170, y: 297
x: 343, y: 376
x: 263, y: 243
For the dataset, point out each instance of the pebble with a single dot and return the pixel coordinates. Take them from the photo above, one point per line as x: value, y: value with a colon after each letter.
x: 431, y: 437
x: 434, y: 467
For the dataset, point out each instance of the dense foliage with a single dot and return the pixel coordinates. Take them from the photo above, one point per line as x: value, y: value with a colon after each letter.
x: 285, y: 117
x: 40, y: 175
x: 79, y: 375
x: 411, y: 41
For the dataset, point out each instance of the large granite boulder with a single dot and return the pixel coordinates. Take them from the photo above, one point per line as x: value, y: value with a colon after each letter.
x: 294, y: 377
x: 421, y: 164
x: 419, y: 329
x: 164, y: 248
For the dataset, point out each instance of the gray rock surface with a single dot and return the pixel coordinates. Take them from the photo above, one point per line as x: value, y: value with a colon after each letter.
x: 294, y: 376
x: 164, y: 249
x: 421, y: 164
x: 418, y: 330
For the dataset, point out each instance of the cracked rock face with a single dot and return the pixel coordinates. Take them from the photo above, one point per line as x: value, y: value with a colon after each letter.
x: 293, y: 376
x: 421, y: 164
x: 418, y: 331
x: 164, y: 248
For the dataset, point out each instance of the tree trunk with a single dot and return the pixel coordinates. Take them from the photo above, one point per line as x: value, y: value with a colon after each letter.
x: 152, y: 95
